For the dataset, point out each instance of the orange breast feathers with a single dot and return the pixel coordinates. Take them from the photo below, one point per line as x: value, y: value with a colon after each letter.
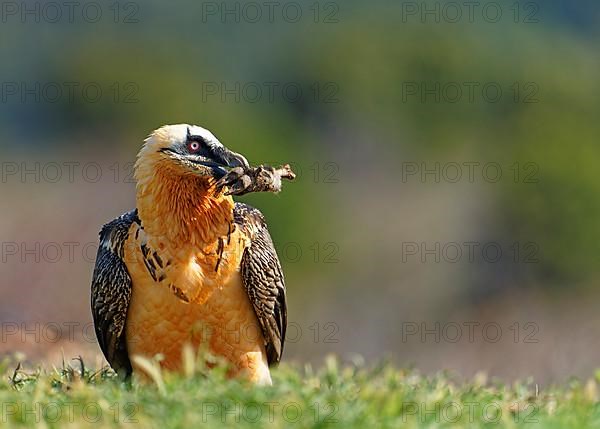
x: 192, y: 273
x: 184, y: 263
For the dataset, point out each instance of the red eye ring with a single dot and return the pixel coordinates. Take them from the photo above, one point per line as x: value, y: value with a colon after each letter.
x: 193, y: 146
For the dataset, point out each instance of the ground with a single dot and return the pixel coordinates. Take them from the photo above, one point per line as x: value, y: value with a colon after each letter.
x: 336, y: 395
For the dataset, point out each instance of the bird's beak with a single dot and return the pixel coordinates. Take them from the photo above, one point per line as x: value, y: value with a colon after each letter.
x: 220, y: 160
x: 233, y: 159
x: 225, y: 159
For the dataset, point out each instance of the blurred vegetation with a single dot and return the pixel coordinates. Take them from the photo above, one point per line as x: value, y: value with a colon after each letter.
x: 334, y: 395
x: 369, y: 54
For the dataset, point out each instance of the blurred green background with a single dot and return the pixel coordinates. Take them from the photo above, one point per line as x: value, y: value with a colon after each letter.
x: 353, y: 135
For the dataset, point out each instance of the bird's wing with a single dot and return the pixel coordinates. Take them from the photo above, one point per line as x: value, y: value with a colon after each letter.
x: 263, y: 279
x: 111, y: 292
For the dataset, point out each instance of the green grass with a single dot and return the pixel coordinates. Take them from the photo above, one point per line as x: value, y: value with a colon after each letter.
x: 333, y: 396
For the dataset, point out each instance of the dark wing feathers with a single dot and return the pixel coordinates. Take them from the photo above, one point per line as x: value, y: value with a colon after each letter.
x: 263, y: 279
x: 111, y: 292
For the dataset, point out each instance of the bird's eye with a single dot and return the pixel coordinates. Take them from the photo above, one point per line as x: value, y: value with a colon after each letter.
x: 193, y: 146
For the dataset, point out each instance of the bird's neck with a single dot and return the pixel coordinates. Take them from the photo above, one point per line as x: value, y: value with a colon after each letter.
x: 183, y: 209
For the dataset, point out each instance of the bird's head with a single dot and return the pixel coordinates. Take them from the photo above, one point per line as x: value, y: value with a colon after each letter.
x: 176, y: 174
x: 187, y: 150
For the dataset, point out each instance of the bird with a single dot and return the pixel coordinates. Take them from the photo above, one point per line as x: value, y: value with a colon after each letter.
x: 189, y: 265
